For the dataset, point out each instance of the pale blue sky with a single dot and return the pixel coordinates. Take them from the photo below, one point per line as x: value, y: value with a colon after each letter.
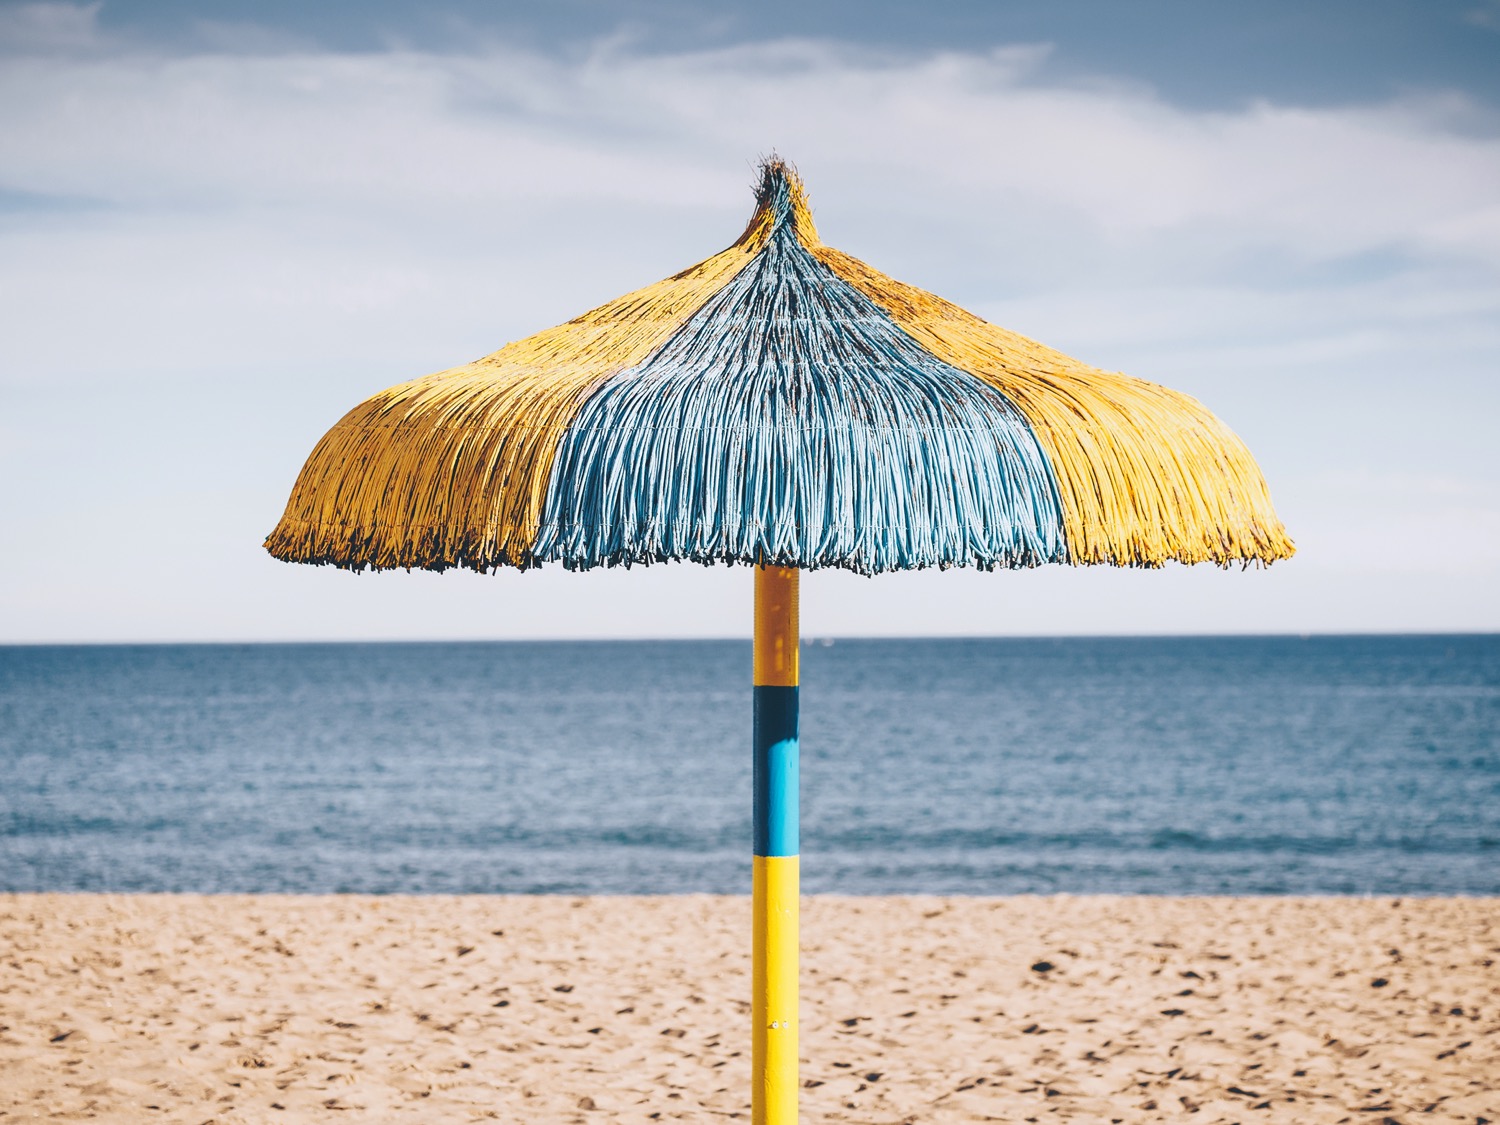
x: 222, y: 224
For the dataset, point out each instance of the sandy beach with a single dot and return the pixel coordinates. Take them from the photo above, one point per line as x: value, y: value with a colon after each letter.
x: 229, y: 1009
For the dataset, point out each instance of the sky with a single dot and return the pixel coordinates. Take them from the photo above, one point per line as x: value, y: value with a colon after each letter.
x: 222, y: 224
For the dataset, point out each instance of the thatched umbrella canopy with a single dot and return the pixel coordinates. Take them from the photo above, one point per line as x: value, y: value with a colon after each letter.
x: 780, y: 402
x: 784, y: 405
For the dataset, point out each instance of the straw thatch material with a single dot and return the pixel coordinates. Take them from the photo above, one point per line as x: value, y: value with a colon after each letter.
x: 799, y: 426
x: 780, y: 402
x: 451, y: 469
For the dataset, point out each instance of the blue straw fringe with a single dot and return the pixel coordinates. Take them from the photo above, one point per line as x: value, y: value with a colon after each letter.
x: 791, y: 422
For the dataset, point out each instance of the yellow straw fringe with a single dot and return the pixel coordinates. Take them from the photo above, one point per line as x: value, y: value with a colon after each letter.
x: 1146, y: 474
x: 452, y: 469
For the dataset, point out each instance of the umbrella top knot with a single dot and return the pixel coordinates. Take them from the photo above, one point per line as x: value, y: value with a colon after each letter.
x: 780, y: 198
x: 782, y: 403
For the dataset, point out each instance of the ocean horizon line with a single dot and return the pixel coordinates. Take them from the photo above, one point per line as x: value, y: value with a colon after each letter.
x: 807, y: 639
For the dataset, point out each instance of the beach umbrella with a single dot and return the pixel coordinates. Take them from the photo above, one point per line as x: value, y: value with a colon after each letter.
x: 782, y: 405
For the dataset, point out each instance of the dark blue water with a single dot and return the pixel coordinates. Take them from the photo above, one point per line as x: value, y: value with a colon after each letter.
x: 1177, y: 766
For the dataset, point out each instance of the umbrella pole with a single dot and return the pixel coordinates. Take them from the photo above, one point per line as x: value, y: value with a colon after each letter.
x: 773, y: 1056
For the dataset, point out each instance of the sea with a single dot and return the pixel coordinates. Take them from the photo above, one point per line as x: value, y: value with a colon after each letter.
x: 1358, y: 765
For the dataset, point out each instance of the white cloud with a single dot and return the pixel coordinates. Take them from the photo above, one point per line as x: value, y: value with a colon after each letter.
x: 240, y: 238
x: 404, y: 130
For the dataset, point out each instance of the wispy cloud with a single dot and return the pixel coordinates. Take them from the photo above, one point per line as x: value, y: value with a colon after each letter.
x: 44, y: 28
x: 1486, y: 15
x: 295, y: 167
x: 406, y: 129
x: 243, y: 205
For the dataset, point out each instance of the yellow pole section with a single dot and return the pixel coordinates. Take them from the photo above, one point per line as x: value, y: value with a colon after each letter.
x: 773, y: 1055
x: 773, y: 1050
